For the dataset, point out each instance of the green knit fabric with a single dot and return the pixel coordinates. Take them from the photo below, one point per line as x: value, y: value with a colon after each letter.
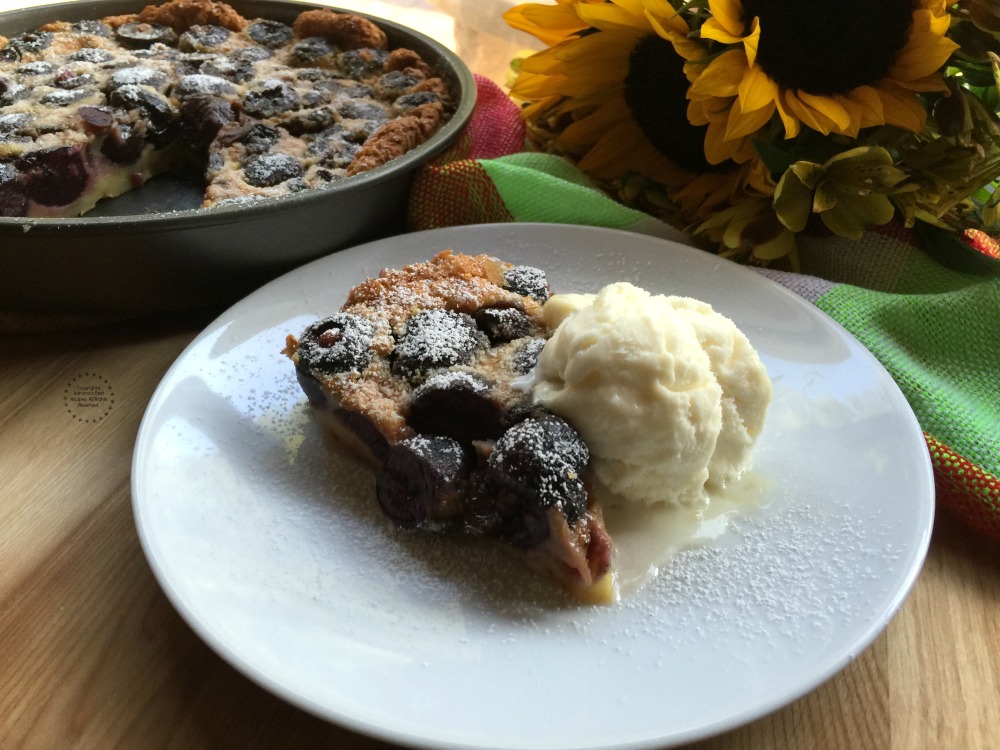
x: 547, y: 188
x: 942, y: 349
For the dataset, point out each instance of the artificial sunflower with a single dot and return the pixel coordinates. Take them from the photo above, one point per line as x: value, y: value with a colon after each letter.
x: 835, y: 67
x: 610, y: 92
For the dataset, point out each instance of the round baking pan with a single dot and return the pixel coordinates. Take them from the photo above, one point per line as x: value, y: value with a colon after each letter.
x: 154, y: 250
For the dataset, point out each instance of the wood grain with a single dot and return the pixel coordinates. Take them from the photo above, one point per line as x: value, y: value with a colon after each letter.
x: 92, y: 655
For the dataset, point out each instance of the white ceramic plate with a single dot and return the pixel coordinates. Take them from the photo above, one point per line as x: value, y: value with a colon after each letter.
x: 271, y: 546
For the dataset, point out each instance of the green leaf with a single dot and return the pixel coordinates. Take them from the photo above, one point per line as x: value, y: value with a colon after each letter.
x: 826, y: 198
x: 776, y: 158
x: 793, y: 201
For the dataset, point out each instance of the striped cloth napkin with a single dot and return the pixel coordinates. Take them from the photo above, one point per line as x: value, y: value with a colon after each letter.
x: 937, y: 331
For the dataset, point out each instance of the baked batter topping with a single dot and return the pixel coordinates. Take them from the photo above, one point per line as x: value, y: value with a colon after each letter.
x: 93, y: 108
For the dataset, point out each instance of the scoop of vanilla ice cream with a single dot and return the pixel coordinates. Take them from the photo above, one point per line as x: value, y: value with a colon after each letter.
x: 746, y: 387
x: 668, y: 394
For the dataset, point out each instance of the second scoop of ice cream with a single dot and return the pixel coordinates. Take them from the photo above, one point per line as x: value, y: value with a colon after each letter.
x: 669, y: 395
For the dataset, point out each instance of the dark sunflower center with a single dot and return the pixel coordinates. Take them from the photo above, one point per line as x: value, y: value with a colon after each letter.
x: 828, y: 46
x: 655, y: 92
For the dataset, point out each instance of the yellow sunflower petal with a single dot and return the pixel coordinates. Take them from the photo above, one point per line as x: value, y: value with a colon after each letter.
x: 741, y: 124
x: 590, y: 128
x: 536, y: 109
x: 592, y: 78
x: 544, y: 62
x: 901, y: 108
x: 830, y: 108
x: 792, y: 125
x: 712, y: 112
x: 925, y: 52
x: 697, y: 114
x: 869, y: 103
x: 703, y: 193
x: 751, y: 41
x: 665, y: 31
x: 603, y: 63
x: 743, y: 152
x: 807, y: 115
x: 665, y: 20
x: 610, y: 16
x: 757, y: 90
x: 933, y: 82
x: 804, y: 114
x: 940, y: 20
x: 715, y: 31
x: 532, y: 87
x: 636, y: 8
x: 606, y: 45
x: 624, y: 148
x: 721, y: 78
x: 726, y: 21
x: 717, y: 146
x: 757, y: 180
x: 691, y: 50
x: 605, y: 158
x: 855, y: 113
x: 548, y: 23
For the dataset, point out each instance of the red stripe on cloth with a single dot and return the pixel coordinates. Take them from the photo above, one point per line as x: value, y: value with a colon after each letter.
x: 455, y: 194
x: 454, y: 189
x: 897, y: 231
x: 965, y: 490
x: 496, y: 126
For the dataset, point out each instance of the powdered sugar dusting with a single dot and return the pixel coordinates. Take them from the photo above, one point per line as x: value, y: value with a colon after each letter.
x: 136, y: 76
x: 784, y: 578
x: 435, y: 448
x: 779, y: 580
x: 451, y: 379
x: 528, y: 280
x: 436, y: 338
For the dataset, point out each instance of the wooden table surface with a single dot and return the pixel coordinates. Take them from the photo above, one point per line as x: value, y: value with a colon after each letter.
x: 92, y: 655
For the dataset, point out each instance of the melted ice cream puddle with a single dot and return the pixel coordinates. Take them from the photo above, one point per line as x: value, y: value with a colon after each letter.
x: 648, y: 536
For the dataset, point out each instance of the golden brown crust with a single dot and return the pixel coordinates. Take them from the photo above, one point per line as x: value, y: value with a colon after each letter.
x: 434, y: 86
x: 54, y: 26
x: 378, y: 398
x: 409, y: 62
x: 180, y: 15
x: 397, y: 137
x: 479, y: 277
x: 115, y: 21
x: 346, y: 30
